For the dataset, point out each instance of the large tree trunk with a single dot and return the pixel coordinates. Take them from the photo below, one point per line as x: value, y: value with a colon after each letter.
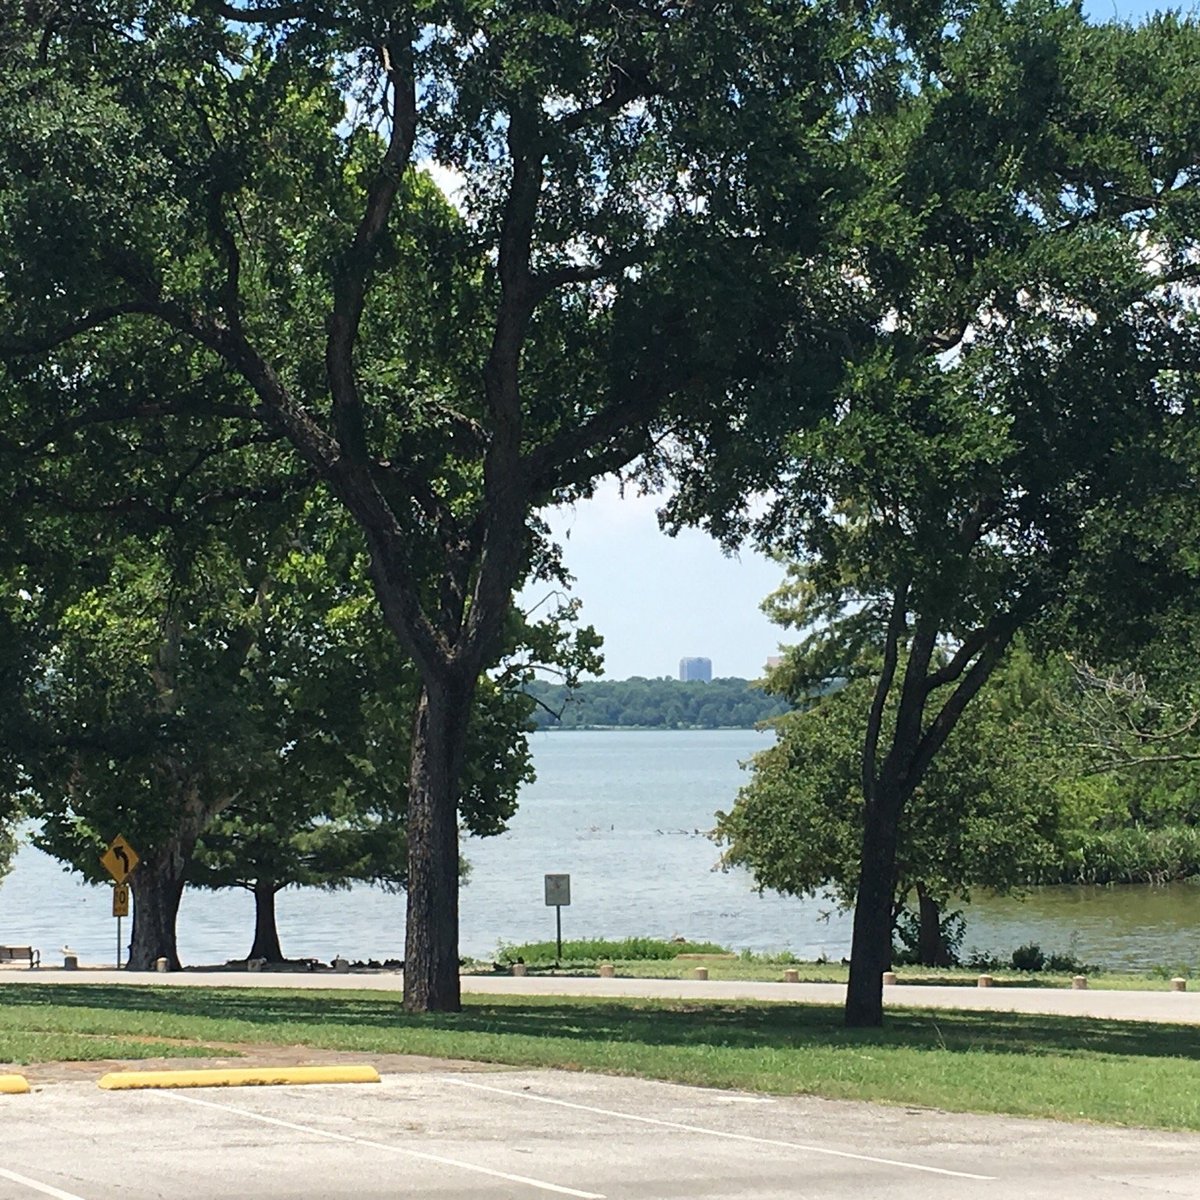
x: 266, y: 931
x: 157, y: 886
x: 931, y: 948
x: 871, y: 949
x: 431, y: 982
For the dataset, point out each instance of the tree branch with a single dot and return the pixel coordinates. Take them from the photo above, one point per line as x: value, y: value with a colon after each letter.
x: 969, y: 647
x: 351, y: 281
x: 943, y: 724
x: 93, y: 319
x: 544, y: 282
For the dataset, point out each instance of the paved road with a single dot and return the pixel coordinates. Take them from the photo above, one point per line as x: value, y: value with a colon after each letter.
x: 1183, y: 1007
x: 537, y: 1135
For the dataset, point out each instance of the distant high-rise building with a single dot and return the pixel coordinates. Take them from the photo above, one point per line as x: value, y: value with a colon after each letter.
x: 696, y: 668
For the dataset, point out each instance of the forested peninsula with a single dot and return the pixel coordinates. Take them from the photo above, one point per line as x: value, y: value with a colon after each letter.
x: 663, y: 703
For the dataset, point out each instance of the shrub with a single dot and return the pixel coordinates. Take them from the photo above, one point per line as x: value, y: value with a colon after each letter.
x: 951, y: 927
x: 1135, y: 855
x: 1028, y: 957
x: 588, y: 952
x: 1162, y: 971
x: 981, y: 960
x: 1066, y: 964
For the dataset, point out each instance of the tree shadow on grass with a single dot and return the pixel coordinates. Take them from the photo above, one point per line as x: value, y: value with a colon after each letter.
x: 663, y: 1024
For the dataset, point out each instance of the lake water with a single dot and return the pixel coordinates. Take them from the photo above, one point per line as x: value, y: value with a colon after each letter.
x: 624, y: 813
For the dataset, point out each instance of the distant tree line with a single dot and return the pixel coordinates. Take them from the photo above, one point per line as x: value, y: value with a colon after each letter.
x: 664, y: 703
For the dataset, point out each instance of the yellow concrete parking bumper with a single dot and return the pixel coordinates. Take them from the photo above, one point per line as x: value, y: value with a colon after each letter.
x: 13, y: 1085
x: 241, y: 1077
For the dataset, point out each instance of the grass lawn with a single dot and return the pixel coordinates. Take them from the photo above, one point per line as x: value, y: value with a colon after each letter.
x: 1123, y: 1073
x: 37, y: 1045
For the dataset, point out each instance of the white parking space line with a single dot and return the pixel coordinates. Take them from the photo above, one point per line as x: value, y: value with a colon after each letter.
x: 45, y: 1188
x: 719, y: 1133
x: 540, y: 1184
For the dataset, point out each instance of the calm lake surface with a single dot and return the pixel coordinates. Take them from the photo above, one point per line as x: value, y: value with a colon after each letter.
x: 624, y: 813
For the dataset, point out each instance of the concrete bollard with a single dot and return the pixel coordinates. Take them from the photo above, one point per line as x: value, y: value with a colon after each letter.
x: 70, y: 962
x: 889, y: 978
x: 162, y: 965
x: 701, y: 973
x: 791, y: 975
x: 1178, y: 984
x: 607, y: 970
x: 986, y: 981
x: 518, y: 969
x: 341, y: 966
x: 1079, y: 983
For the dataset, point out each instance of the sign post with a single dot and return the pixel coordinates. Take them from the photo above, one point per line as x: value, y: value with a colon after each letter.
x: 120, y: 860
x: 558, y: 895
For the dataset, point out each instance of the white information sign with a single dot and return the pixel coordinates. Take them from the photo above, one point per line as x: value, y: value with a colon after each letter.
x: 558, y: 890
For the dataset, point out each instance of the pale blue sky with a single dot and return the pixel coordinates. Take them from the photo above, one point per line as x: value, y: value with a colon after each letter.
x: 657, y: 599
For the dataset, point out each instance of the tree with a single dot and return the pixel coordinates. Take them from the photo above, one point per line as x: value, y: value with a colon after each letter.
x: 232, y: 190
x: 723, y: 703
x: 249, y: 680
x: 272, y: 846
x: 147, y: 718
x: 1016, y: 447
x: 987, y: 813
x: 347, y: 826
x: 8, y: 842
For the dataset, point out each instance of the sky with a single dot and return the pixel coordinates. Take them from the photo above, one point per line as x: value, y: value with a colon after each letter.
x: 656, y: 599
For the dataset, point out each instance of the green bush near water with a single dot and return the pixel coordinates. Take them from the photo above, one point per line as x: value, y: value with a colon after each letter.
x: 1136, y: 855
x: 589, y: 952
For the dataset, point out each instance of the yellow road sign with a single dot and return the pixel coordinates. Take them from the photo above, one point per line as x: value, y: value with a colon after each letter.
x: 119, y: 859
x: 120, y: 899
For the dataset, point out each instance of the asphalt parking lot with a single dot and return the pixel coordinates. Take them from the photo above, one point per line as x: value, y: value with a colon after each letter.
x: 542, y: 1134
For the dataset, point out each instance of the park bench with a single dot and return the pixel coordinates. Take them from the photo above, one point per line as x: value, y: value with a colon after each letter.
x: 21, y: 954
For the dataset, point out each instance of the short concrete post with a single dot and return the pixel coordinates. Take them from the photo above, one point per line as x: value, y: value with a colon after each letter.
x: 986, y: 981
x: 1079, y: 983
x: 518, y: 969
x: 70, y: 962
x: 341, y: 965
x: 889, y: 978
x: 701, y: 972
x: 162, y: 965
x: 1178, y: 984
x: 791, y: 975
x: 607, y: 970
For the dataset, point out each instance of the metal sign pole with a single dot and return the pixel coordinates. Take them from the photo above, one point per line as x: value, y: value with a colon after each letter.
x: 558, y: 894
x: 118, y: 943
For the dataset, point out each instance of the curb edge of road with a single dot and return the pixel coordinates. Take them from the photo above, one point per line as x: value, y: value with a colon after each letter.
x: 237, y: 1077
x: 13, y: 1085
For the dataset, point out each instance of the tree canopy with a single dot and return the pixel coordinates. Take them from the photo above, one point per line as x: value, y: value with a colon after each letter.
x: 1015, y: 444
x: 988, y: 813
x: 652, y: 704
x: 214, y: 233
